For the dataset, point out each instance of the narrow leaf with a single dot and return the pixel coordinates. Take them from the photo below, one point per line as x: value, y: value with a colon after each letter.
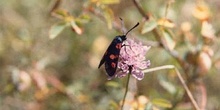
x: 56, y: 29
x: 149, y: 106
x: 167, y: 85
x: 112, y: 84
x: 166, y: 23
x: 61, y: 12
x: 170, y: 43
x: 162, y: 103
x: 84, y: 18
x: 113, y: 105
x: 107, y: 2
x: 149, y: 26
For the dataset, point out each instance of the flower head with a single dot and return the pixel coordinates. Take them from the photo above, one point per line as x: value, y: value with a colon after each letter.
x: 132, y: 59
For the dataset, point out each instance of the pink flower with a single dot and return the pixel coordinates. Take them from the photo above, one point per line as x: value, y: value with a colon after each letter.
x: 132, y: 59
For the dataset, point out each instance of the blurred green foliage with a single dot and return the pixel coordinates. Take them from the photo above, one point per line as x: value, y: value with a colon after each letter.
x: 50, y: 50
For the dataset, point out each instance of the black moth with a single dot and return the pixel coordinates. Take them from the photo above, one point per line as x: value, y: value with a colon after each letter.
x: 110, y: 58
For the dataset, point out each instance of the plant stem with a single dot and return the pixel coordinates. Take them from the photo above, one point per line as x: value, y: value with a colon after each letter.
x: 194, y: 103
x: 126, y: 91
x: 159, y: 37
x: 159, y: 68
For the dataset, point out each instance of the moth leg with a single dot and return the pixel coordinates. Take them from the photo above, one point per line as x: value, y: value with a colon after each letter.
x: 124, y: 45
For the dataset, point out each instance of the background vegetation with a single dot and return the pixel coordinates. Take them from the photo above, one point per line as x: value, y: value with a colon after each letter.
x: 50, y: 51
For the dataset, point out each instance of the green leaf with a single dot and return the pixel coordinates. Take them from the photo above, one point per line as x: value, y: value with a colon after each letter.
x: 149, y: 26
x: 107, y: 2
x: 149, y: 106
x: 162, y: 103
x: 170, y: 43
x: 113, y: 105
x: 84, y: 18
x: 167, y: 85
x: 112, y: 84
x: 61, y: 12
x: 56, y: 29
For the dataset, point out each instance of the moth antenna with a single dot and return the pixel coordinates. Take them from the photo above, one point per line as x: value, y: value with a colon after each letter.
x: 122, y: 26
x: 132, y: 28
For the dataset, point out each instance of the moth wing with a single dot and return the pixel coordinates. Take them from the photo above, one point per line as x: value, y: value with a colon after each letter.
x: 107, y: 53
x: 110, y: 57
x: 103, y: 60
x: 111, y: 66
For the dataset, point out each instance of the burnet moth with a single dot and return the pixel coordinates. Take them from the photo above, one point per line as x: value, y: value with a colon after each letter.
x: 111, y: 56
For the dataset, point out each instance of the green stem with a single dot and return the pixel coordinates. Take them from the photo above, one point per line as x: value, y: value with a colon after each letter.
x: 126, y: 91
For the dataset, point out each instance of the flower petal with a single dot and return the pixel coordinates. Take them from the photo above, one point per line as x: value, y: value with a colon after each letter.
x: 123, y: 67
x: 138, y: 74
x: 121, y: 74
x: 144, y: 64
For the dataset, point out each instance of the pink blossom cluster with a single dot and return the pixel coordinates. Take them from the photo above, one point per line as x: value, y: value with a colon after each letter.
x: 132, y: 59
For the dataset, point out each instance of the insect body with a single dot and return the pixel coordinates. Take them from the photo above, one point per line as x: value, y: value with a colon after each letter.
x: 110, y: 58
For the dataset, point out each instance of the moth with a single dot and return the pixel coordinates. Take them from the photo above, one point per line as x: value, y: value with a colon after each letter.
x: 111, y: 56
